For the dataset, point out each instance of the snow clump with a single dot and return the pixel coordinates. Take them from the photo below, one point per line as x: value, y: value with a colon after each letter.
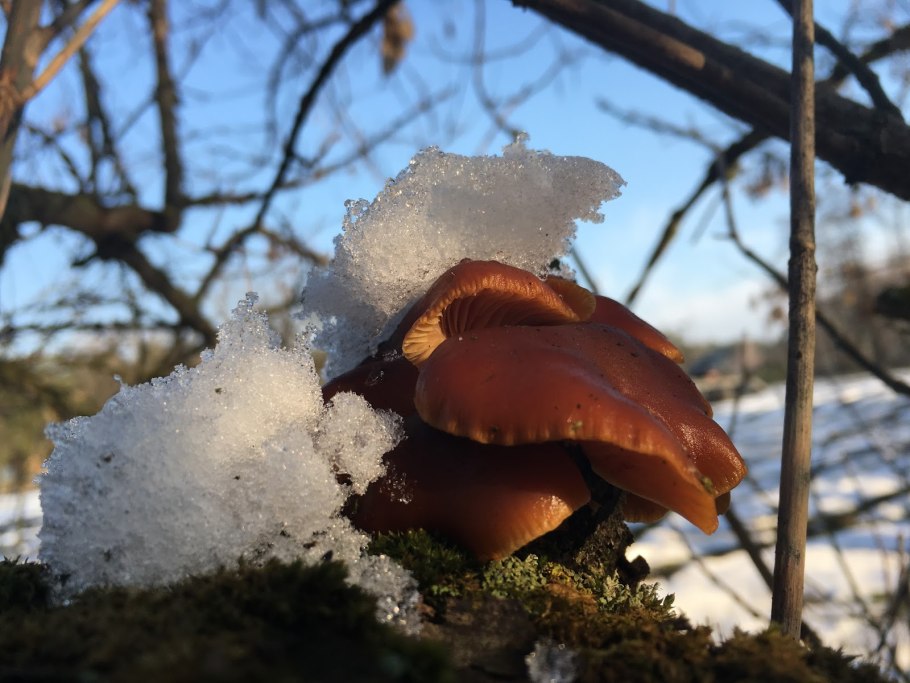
x: 519, y: 209
x: 234, y: 458
x: 550, y: 662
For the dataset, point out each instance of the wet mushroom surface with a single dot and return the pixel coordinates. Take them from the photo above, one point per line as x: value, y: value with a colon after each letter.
x: 498, y: 374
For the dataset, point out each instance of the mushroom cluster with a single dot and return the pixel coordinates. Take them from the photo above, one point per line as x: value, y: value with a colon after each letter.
x: 499, y: 375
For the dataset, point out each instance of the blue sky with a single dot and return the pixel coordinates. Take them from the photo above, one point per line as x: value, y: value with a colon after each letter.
x: 703, y: 290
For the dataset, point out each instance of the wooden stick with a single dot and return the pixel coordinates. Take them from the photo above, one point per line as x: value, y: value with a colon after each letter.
x: 790, y: 554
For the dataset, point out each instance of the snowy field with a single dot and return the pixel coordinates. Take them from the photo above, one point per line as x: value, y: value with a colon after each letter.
x: 862, y: 454
x: 861, y: 461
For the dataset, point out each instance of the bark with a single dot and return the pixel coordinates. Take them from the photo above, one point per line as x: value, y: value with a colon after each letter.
x: 793, y: 511
x: 865, y: 145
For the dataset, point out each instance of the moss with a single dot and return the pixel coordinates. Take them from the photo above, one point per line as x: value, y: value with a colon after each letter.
x: 287, y: 622
x: 441, y: 568
x: 277, y: 622
x: 23, y: 586
x: 622, y: 630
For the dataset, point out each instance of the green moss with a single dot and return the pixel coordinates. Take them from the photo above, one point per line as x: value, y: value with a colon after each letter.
x: 277, y: 622
x: 441, y: 569
x: 621, y: 632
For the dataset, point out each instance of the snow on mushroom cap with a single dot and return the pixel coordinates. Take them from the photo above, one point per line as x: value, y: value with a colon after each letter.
x: 519, y: 209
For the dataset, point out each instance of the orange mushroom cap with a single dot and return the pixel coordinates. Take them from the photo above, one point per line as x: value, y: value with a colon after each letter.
x: 591, y: 383
x: 386, y: 384
x: 478, y: 294
x: 610, y: 312
x: 490, y: 499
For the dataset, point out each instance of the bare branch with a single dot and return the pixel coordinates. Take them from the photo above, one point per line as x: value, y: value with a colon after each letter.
x: 853, y: 64
x: 83, y: 213
x: 18, y: 60
x: 356, y: 31
x: 101, y: 141
x: 718, y: 170
x: 72, y: 46
x: 723, y: 164
x: 116, y: 248
x: 166, y: 99
x: 863, y: 144
x: 793, y: 511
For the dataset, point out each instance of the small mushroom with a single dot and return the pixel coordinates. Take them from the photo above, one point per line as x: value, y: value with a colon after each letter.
x: 478, y: 294
x: 490, y: 499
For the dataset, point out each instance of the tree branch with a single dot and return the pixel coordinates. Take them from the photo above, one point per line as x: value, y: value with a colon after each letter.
x: 100, y: 141
x: 72, y: 46
x: 357, y: 31
x: 116, y: 248
x: 83, y: 213
x: 721, y: 167
x: 865, y: 145
x: 717, y: 170
x: 18, y: 60
x: 796, y: 450
x: 853, y: 65
x: 166, y: 99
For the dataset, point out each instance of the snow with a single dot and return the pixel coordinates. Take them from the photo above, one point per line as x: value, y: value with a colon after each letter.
x: 234, y: 458
x: 238, y: 457
x: 861, y: 440
x: 519, y: 209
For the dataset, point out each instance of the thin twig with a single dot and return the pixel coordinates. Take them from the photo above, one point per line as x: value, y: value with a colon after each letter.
x: 166, y: 99
x: 833, y: 332
x: 357, y: 31
x: 72, y: 46
x: 853, y: 64
x: 793, y: 512
x: 718, y: 170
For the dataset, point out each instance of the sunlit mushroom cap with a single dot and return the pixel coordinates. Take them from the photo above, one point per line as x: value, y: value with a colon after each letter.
x: 613, y: 313
x: 478, y: 294
x: 639, y: 418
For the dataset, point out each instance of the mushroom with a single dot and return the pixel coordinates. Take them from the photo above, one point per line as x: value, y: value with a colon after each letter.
x: 639, y: 419
x: 507, y: 367
x: 490, y: 499
x: 478, y: 294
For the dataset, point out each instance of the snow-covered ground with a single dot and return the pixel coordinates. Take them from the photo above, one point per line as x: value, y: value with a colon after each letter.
x: 862, y: 451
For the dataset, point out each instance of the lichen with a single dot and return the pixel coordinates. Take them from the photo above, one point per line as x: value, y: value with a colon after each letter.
x: 620, y: 630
